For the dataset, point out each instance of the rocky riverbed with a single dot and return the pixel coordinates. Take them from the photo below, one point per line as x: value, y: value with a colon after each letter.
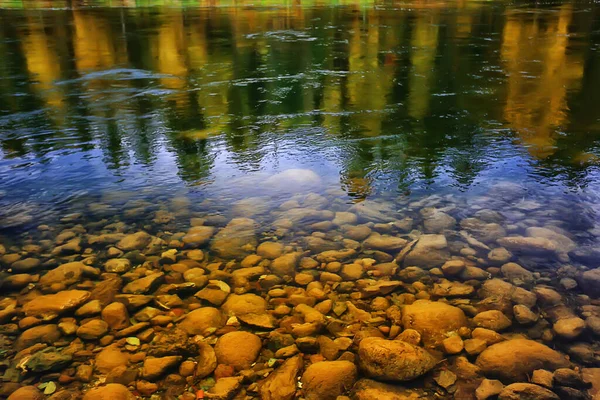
x: 317, y: 298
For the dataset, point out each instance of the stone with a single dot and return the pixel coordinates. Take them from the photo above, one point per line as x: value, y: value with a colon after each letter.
x: 488, y: 388
x: 488, y: 335
x: 67, y: 274
x: 344, y: 218
x: 147, y: 284
x: 527, y: 245
x: 436, y: 221
x: 326, y: 380
x: 154, y: 368
x: 27, y: 393
x: 499, y: 256
x: 492, y: 319
x: 526, y: 391
x: 248, y: 303
x: 38, y: 334
x: 50, y: 306
x: 109, y: 359
x: 543, y: 378
x: 356, y: 232
x: 92, y: 330
x: 26, y: 265
x: 445, y: 378
x: 475, y: 346
x: 201, y: 320
x: 524, y: 315
x: 117, y: 265
x: 453, y: 345
x: 198, y: 236
x: 112, y: 391
x: 48, y: 360
x: 384, y: 242
x: 368, y: 389
x: 568, y: 377
x: 225, y: 388
x: 238, y: 349
x: 430, y: 251
x: 513, y: 360
x: 517, y: 275
x: 448, y: 288
x: 590, y: 282
x: 569, y: 328
x: 236, y: 240
x: 285, y: 266
x: 562, y: 243
x: 393, y: 360
x: 116, y: 316
x: 270, y: 250
x: 90, y: 308
x: 281, y: 383
x: 207, y: 360
x: 134, y: 241
x: 435, y: 321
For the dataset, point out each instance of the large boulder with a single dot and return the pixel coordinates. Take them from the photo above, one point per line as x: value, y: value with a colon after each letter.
x: 435, y: 321
x: 236, y: 240
x: 430, y: 251
x: 281, y: 383
x: 513, y: 360
x: 326, y: 380
x: 393, y: 360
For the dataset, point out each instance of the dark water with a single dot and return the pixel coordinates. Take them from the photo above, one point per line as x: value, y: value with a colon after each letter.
x: 379, y: 100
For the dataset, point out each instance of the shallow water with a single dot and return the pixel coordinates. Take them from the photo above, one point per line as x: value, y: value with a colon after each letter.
x: 354, y: 127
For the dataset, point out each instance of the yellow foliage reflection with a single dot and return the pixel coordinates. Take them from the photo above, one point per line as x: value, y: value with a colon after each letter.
x: 540, y: 73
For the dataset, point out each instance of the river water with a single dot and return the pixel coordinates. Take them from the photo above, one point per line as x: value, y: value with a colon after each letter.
x: 454, y: 137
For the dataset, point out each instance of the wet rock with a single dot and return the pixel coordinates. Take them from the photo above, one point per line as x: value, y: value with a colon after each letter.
x: 117, y: 265
x: 592, y: 377
x: 524, y: 315
x: 499, y: 256
x: 488, y: 388
x: 215, y: 292
x: 225, y: 388
x: 453, y: 345
x: 26, y: 265
x: 199, y: 321
x: 526, y: 391
x: 116, y: 316
x: 367, y: 389
x: 112, y: 391
x: 67, y: 274
x: 569, y: 377
x: 236, y: 240
x: 326, y: 380
x: 492, y: 319
x: 134, y: 241
x: 445, y: 378
x: 92, y: 330
x: 484, y: 231
x: 356, y: 232
x: 27, y: 393
x: 285, y: 266
x: 562, y: 243
x: 109, y: 359
x: 335, y: 255
x: 393, y: 360
x: 143, y: 285
x: 435, y: 321
x: 452, y: 289
x: 569, y: 328
x: 543, y: 378
x: 106, y: 290
x: 590, y: 282
x: 517, y: 275
x: 207, y: 360
x: 90, y: 308
x: 436, y: 221
x: 384, y: 242
x: 47, y: 360
x: 513, y: 360
x: 198, y: 236
x: 238, y: 349
x: 270, y: 250
x: 244, y: 304
x: 281, y: 383
x: 154, y: 368
x: 344, y: 218
x: 352, y: 272
x: 50, y: 306
x: 38, y: 334
x: 430, y: 251
x: 528, y: 245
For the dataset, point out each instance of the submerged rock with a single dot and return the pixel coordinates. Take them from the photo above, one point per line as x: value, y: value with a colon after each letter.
x: 236, y: 240
x: 112, y: 391
x: 238, y: 349
x: 435, y: 321
x: 50, y: 306
x: 513, y: 360
x: 430, y: 251
x: 281, y: 383
x: 393, y: 360
x: 326, y: 380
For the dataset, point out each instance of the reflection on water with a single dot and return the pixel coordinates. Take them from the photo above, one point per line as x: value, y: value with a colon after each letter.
x: 418, y: 98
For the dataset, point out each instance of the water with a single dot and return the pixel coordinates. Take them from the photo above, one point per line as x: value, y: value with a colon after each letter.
x: 473, y: 120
